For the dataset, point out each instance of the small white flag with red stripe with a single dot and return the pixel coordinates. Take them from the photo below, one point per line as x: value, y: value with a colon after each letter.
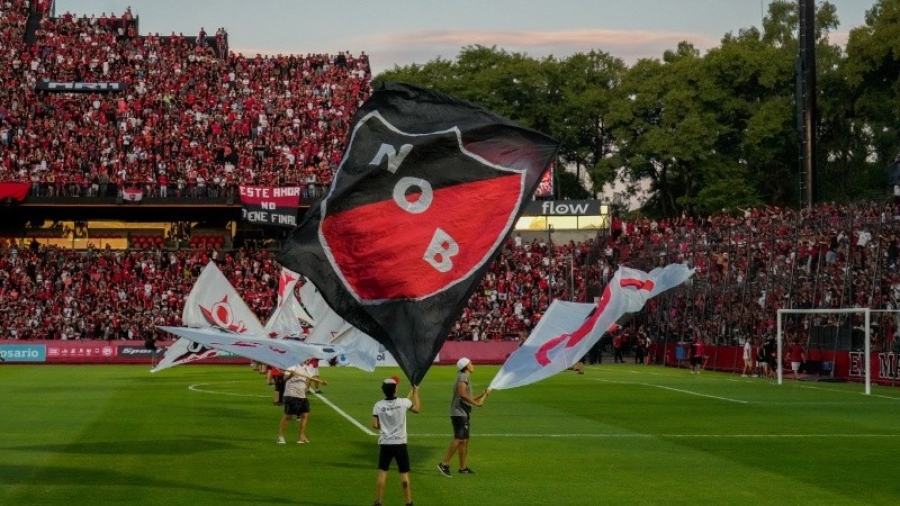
x: 132, y: 195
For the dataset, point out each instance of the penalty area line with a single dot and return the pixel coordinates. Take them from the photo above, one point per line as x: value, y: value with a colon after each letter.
x: 347, y: 416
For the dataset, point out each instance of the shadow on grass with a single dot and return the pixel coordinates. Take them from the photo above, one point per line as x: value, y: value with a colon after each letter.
x: 365, y: 456
x: 155, y: 447
x: 24, y: 476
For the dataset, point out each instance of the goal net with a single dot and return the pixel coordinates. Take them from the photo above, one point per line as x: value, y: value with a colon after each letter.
x: 867, y: 328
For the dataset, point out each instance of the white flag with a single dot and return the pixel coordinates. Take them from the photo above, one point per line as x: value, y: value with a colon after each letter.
x: 360, y: 349
x: 568, y: 330
x: 132, y: 195
x: 285, y: 319
x: 313, y: 302
x: 281, y: 353
x: 212, y: 302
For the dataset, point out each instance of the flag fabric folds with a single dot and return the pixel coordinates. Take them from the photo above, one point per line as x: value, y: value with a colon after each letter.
x: 281, y: 353
x: 568, y: 330
x: 359, y: 349
x: 285, y: 319
x: 212, y: 302
x: 132, y: 194
x: 16, y: 192
x: 427, y: 191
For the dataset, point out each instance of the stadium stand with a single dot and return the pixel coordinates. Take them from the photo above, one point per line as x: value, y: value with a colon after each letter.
x: 196, y: 120
x: 747, y: 267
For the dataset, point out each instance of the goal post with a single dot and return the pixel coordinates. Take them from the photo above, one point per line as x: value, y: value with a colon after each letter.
x: 867, y: 313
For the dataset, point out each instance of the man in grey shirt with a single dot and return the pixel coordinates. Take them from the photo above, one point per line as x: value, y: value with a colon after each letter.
x: 460, y: 407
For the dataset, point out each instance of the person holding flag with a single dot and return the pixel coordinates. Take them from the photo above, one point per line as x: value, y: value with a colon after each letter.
x: 296, y: 383
x: 389, y: 418
x: 460, y: 409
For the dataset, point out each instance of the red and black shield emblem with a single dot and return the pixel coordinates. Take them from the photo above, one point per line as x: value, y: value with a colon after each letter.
x: 428, y: 190
x: 429, y: 215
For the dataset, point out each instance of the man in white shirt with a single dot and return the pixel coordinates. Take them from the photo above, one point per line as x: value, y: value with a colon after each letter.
x: 389, y: 417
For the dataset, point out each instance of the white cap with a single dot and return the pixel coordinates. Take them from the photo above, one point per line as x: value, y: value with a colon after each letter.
x: 462, y: 363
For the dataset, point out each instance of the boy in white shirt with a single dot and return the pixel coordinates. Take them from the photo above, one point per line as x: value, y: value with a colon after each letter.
x: 389, y: 416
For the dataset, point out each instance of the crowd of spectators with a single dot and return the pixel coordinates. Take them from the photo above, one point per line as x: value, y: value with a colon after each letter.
x: 747, y: 267
x: 751, y: 264
x: 195, y: 119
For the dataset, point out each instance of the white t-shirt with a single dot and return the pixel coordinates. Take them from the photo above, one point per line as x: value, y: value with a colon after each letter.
x: 296, y: 385
x: 391, y: 415
x: 748, y: 348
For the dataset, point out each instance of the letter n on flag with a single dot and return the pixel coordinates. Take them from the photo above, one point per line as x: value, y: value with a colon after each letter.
x: 428, y: 190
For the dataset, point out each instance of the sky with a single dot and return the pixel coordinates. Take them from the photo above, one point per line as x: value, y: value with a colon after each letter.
x: 403, y: 32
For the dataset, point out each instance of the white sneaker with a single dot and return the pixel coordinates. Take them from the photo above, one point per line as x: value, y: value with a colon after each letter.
x: 281, y: 440
x: 743, y: 375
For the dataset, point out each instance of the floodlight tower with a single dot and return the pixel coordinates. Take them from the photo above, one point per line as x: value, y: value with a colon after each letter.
x: 806, y: 101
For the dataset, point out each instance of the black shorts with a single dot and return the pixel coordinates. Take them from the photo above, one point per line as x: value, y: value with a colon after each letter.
x: 296, y: 406
x: 460, y: 427
x: 697, y: 360
x: 387, y: 453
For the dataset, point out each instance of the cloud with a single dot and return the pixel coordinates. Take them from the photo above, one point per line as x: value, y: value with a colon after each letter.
x: 405, y: 48
x: 419, y: 47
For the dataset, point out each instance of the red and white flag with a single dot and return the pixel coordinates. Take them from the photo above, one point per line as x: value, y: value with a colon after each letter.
x: 285, y: 321
x: 568, y: 330
x: 132, y: 194
x: 281, y: 353
x: 212, y: 302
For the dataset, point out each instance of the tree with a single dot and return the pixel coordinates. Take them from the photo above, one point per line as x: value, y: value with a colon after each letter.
x: 564, y: 98
x: 872, y: 73
x: 666, y: 130
x: 706, y: 132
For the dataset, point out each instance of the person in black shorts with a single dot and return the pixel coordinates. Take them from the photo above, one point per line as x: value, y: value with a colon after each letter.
x: 389, y: 418
x: 296, y: 383
x: 460, y: 407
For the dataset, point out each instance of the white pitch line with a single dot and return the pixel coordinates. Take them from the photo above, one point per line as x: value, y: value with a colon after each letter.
x: 348, y: 417
x: 647, y: 436
x: 195, y: 388
x: 856, y: 392
x: 688, y: 392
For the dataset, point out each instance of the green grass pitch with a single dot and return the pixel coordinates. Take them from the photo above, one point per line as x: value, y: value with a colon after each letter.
x: 619, y: 434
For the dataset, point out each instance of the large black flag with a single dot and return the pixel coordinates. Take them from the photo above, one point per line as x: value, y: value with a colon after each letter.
x: 428, y: 190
